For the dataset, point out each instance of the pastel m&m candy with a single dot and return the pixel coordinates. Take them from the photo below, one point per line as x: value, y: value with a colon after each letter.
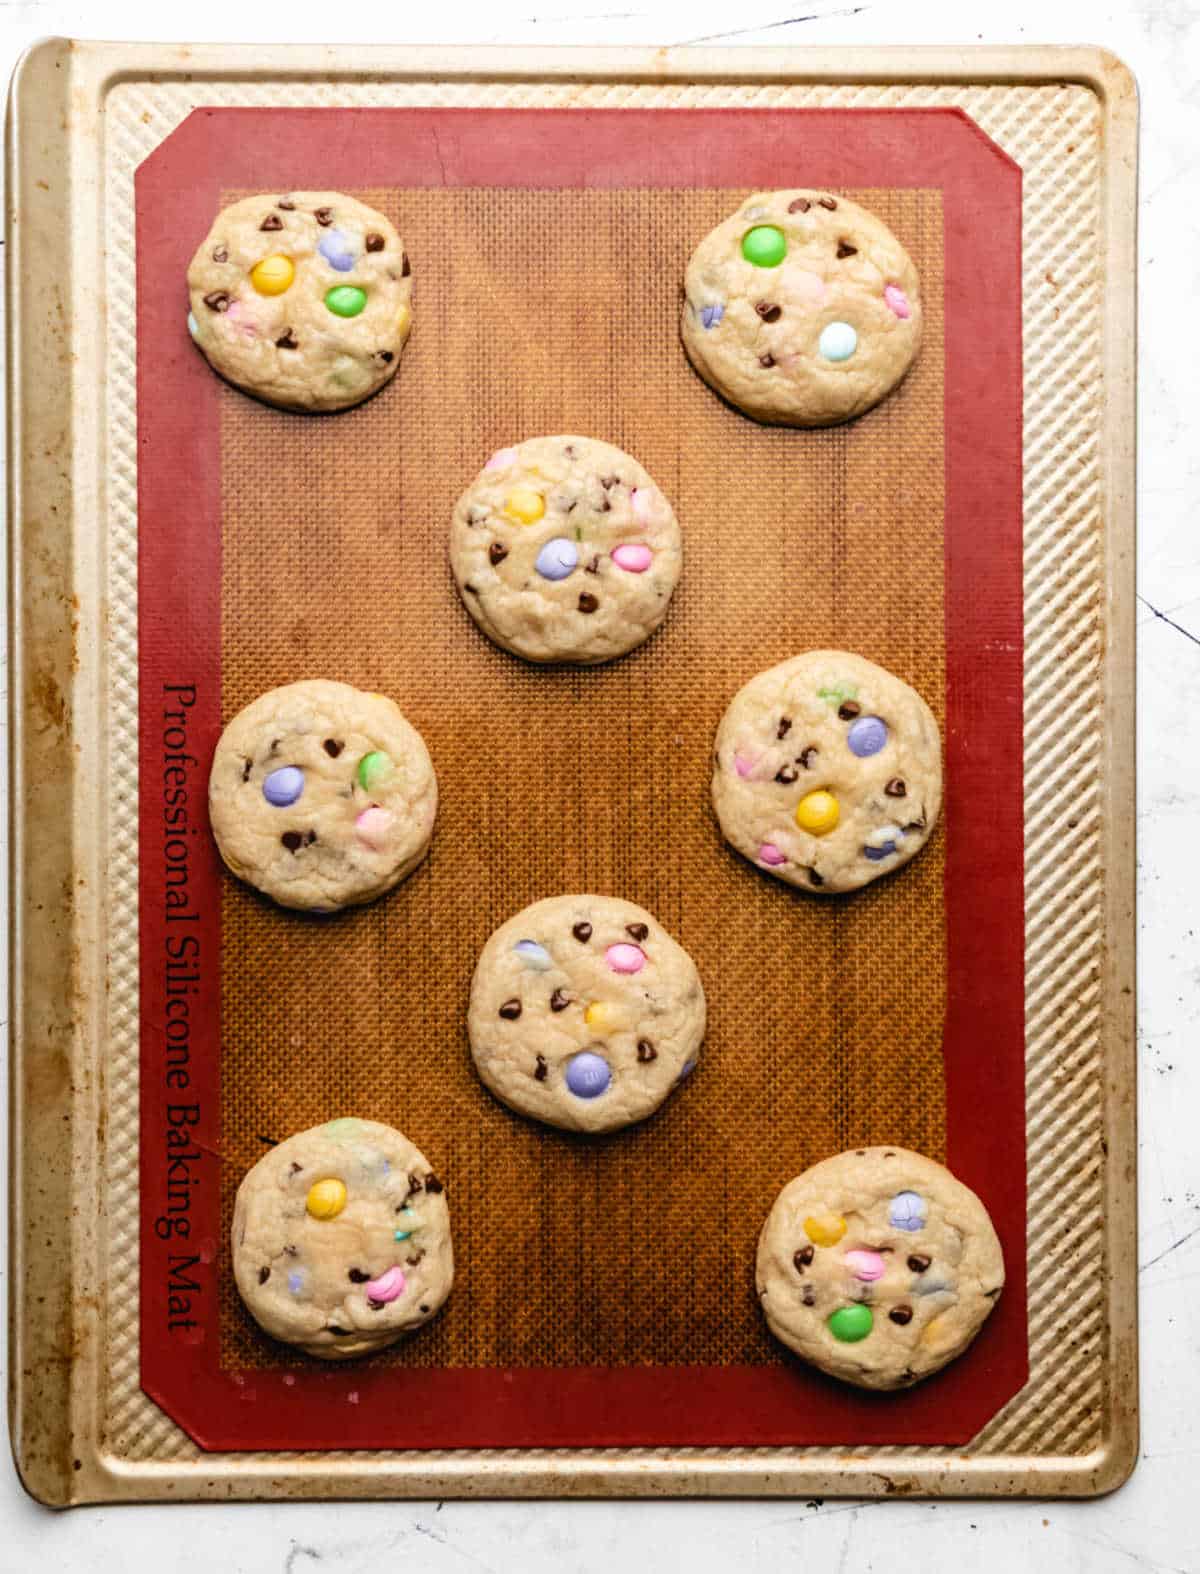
x: 633, y: 556
x: 557, y: 559
x: 765, y: 246
x: 825, y: 1229
x: 851, y: 1323
x: 625, y: 958
x: 908, y: 1211
x: 373, y: 824
x: 374, y: 769
x: 770, y: 855
x: 282, y: 787
x: 817, y: 812
x: 525, y: 505
x: 838, y: 341
x: 326, y: 1198
x: 867, y: 736
x: 337, y: 248
x: 865, y: 1265
x: 388, y: 1287
x: 345, y: 300
x: 588, y: 1075
x: 273, y: 275
x: 896, y: 300
x: 502, y: 459
x: 533, y: 955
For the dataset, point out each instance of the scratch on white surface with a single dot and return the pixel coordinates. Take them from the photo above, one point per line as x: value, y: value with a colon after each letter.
x: 295, y: 1552
x: 768, y: 27
x: 1162, y: 616
x: 1174, y: 1247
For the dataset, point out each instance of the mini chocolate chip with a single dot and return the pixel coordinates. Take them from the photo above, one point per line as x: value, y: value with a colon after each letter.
x: 803, y: 1258
x: 271, y: 222
x: 918, y: 1262
x: 432, y: 1184
x: 809, y: 1297
x: 221, y: 254
x: 357, y: 1276
x: 559, y: 1000
x: 846, y: 250
x: 497, y: 552
x: 263, y: 1275
x: 637, y: 931
x: 311, y: 838
x: 323, y: 216
x: 766, y: 360
x: 374, y: 241
x: 768, y: 311
x: 405, y: 270
x: 814, y: 878
x: 582, y: 933
x: 510, y: 1010
x: 784, y: 727
x: 246, y: 769
x: 217, y: 301
x: 916, y: 825
x: 334, y: 1329
x: 292, y: 840
x: 806, y: 757
x: 646, y: 1052
x: 896, y: 788
x: 286, y: 204
x: 799, y: 205
x: 786, y: 774
x: 594, y: 566
x: 287, y: 341
x: 376, y: 1306
x: 424, y: 1308
x: 274, y: 749
x: 889, y: 1154
x: 588, y: 602
x: 990, y: 1295
x: 470, y: 589
x: 414, y: 1184
x: 604, y: 507
x: 291, y: 1251
x: 826, y: 202
x: 539, y: 1070
x: 607, y: 481
x: 386, y: 356
x: 901, y: 1314
x: 333, y: 748
x: 570, y: 450
x: 849, y: 709
x: 294, y: 1168
x: 415, y: 1258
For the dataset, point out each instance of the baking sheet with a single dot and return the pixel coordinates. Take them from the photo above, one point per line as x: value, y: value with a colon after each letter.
x: 739, y: 1466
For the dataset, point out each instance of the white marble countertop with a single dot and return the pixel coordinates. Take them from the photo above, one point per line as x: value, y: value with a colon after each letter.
x: 1151, y: 1523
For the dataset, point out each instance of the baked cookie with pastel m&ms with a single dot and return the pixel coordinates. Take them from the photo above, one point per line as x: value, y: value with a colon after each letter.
x: 303, y: 300
x: 341, y: 1239
x: 564, y: 549
x: 584, y: 1013
x: 827, y: 772
x: 322, y: 796
x: 802, y: 309
x: 878, y: 1266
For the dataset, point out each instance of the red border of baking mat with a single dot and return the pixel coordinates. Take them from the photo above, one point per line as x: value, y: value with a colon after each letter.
x: 360, y: 1406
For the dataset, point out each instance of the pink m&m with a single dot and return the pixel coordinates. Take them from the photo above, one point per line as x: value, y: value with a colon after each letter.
x: 768, y: 853
x: 634, y: 557
x: 865, y: 1265
x: 373, y: 825
x: 743, y: 765
x: 388, y: 1287
x: 625, y: 958
x: 897, y: 300
x: 501, y: 459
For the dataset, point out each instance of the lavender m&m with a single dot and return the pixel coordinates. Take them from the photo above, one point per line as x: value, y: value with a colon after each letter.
x: 867, y: 736
x: 710, y: 316
x: 879, y: 853
x: 557, y: 559
x: 282, y: 787
x: 533, y: 955
x: 633, y: 556
x: 625, y: 958
x: 337, y: 248
x: 908, y: 1211
x: 588, y: 1075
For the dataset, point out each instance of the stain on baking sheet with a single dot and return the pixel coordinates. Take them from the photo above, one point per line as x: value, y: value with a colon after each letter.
x: 544, y: 312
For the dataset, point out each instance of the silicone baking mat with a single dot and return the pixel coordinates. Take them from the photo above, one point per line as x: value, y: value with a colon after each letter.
x: 605, y: 1288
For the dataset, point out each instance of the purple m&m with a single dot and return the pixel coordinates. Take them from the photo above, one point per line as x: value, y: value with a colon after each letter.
x: 557, y: 559
x: 908, y: 1211
x: 710, y: 316
x: 337, y: 248
x: 588, y: 1075
x: 867, y: 736
x: 284, y: 786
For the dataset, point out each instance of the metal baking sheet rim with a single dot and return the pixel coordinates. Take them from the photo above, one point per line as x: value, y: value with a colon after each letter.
x: 59, y: 635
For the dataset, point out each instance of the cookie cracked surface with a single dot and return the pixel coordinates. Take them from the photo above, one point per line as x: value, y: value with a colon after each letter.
x: 303, y: 300
x: 827, y: 771
x: 584, y: 1013
x: 878, y: 1266
x: 322, y: 796
x: 341, y: 1239
x: 802, y: 308
x: 564, y: 549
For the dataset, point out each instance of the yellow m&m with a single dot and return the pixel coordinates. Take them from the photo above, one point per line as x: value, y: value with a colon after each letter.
x: 597, y: 1014
x: 825, y: 1230
x: 326, y: 1198
x: 525, y: 505
x: 273, y: 275
x: 817, y: 812
x: 403, y: 319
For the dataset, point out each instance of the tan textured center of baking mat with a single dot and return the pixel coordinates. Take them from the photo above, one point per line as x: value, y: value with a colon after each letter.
x: 536, y: 313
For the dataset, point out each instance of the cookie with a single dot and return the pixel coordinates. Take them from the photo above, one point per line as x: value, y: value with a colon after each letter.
x: 878, y: 1266
x: 802, y: 309
x: 564, y: 549
x: 304, y: 301
x: 341, y: 1239
x: 827, y: 772
x: 584, y: 1013
x: 322, y: 796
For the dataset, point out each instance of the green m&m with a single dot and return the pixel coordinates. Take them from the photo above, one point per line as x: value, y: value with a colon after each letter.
x: 345, y: 300
x: 851, y: 1323
x: 374, y: 769
x: 764, y: 246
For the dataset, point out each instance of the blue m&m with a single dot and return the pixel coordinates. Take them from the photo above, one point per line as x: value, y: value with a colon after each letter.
x: 282, y: 787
